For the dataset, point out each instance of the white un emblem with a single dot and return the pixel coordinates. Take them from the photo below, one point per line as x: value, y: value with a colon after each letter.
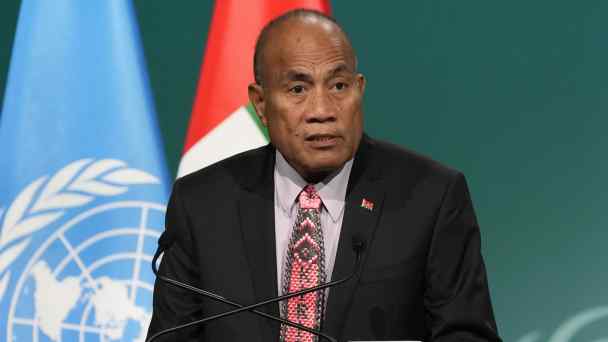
x: 90, y: 280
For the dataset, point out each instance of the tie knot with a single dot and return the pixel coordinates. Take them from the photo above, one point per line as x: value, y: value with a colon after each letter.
x: 309, y: 198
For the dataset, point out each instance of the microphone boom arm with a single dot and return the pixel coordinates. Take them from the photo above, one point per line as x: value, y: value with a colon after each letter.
x: 252, y: 307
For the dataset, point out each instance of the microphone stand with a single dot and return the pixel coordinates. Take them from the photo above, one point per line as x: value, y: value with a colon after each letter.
x: 357, y: 246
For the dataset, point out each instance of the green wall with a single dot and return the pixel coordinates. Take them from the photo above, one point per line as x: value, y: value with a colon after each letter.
x: 513, y: 93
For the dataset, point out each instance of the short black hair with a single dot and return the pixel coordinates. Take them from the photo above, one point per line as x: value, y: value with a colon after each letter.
x: 263, y: 36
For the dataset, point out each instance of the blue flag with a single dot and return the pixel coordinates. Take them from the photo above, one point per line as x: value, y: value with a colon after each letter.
x: 83, y: 183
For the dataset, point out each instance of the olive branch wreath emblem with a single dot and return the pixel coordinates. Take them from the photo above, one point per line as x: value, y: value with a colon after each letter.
x: 48, y: 198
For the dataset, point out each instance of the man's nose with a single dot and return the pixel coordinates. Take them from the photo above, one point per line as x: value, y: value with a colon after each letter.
x: 322, y: 108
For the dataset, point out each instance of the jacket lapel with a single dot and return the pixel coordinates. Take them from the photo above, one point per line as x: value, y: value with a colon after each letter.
x: 364, y: 198
x: 256, y: 211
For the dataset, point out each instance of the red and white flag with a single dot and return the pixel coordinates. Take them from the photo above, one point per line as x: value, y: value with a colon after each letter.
x: 223, y: 122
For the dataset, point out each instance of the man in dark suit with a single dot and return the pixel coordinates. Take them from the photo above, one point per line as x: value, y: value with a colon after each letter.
x: 284, y: 216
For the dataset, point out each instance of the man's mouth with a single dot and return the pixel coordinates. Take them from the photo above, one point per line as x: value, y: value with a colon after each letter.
x: 322, y: 140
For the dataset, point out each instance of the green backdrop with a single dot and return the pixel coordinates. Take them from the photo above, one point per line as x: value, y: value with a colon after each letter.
x: 515, y: 94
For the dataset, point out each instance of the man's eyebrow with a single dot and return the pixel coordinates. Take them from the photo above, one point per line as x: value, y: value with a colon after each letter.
x: 294, y: 75
x: 340, y: 68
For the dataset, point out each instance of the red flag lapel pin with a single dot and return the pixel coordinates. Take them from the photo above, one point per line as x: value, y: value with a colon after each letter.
x: 367, y: 204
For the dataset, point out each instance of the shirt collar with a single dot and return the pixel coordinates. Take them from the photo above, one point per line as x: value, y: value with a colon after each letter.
x: 289, y: 184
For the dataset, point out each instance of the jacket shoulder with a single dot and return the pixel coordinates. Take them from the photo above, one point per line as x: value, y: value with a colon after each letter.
x: 232, y: 171
x: 397, y: 160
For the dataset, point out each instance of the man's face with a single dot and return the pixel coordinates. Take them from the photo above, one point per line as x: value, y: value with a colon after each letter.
x: 310, y: 97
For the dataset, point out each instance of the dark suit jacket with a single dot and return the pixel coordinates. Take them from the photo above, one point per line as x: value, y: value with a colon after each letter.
x: 422, y: 278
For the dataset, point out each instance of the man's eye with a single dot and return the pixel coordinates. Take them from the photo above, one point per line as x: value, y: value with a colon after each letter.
x: 340, y: 86
x: 296, y: 89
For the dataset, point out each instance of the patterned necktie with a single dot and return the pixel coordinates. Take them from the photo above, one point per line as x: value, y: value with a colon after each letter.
x: 304, y: 268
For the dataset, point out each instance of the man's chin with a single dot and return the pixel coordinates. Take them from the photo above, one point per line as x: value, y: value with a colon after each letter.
x: 325, y: 167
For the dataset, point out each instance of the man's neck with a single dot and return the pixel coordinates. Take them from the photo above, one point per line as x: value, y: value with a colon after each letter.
x: 315, y: 177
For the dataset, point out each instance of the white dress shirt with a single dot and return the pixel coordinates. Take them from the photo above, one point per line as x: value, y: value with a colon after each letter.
x: 287, y: 186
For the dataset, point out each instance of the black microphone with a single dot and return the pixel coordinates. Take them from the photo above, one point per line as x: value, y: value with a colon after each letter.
x: 358, y: 245
x: 165, y: 241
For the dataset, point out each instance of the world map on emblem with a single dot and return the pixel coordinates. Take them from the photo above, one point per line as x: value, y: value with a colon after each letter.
x: 88, y: 281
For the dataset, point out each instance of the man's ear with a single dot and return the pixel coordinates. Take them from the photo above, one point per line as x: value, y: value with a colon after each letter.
x: 256, y: 97
x: 361, y: 81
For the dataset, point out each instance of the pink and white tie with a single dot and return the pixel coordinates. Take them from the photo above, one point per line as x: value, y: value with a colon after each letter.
x: 304, y: 268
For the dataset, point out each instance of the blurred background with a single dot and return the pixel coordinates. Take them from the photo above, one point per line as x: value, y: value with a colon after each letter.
x: 514, y: 94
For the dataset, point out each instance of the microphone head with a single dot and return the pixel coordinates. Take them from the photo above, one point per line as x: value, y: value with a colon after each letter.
x: 358, y: 244
x: 165, y: 240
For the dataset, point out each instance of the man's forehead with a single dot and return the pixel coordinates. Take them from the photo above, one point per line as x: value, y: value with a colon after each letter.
x: 308, y: 42
x: 298, y: 29
x: 305, y: 69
